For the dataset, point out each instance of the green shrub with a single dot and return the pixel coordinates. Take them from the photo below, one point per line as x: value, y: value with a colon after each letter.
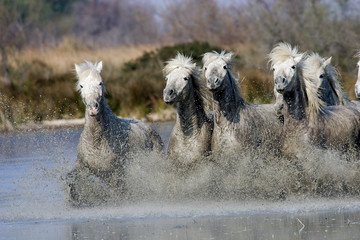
x: 140, y: 82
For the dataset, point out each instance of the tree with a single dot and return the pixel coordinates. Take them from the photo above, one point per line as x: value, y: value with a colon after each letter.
x: 110, y: 22
x: 20, y: 23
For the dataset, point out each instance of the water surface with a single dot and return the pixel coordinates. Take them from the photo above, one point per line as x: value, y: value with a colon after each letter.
x: 33, y: 204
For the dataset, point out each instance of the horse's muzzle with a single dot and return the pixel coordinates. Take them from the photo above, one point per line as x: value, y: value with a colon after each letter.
x: 169, y: 95
x: 93, y: 109
x: 280, y: 84
x: 213, y: 83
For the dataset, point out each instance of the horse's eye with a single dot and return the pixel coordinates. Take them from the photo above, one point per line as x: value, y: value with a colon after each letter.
x: 81, y: 86
x: 225, y: 67
x: 205, y: 68
x: 321, y: 76
x: 100, y: 83
x: 186, y: 78
x: 293, y: 67
x: 273, y: 69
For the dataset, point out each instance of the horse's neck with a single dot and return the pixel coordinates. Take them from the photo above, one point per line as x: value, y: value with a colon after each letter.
x: 328, y: 94
x: 295, y: 103
x: 227, y: 101
x: 96, y: 125
x: 191, y: 114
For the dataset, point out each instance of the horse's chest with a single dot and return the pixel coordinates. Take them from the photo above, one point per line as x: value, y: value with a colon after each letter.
x: 190, y: 149
x: 224, y: 136
x: 102, y: 154
x: 193, y: 144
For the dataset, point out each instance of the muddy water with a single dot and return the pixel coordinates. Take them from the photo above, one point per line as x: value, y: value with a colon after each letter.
x: 33, y: 203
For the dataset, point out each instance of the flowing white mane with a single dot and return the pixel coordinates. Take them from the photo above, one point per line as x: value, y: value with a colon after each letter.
x: 213, y: 56
x: 309, y: 69
x: 88, y: 69
x: 180, y: 61
x: 282, y: 52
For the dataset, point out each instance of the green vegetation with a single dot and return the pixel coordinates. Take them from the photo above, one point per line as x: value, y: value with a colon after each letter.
x: 134, y: 88
x: 138, y: 84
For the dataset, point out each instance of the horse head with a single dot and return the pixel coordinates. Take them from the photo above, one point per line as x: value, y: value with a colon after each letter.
x: 284, y: 61
x: 324, y: 78
x: 216, y: 68
x: 284, y: 74
x: 179, y: 75
x: 91, y: 86
x: 318, y: 71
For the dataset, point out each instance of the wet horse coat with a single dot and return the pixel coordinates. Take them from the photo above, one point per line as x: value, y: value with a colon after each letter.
x: 238, y: 125
x: 307, y: 120
x: 190, y: 139
x: 107, y: 142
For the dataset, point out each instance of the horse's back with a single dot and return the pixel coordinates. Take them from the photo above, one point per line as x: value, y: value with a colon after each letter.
x: 257, y: 127
x: 265, y: 116
x: 143, y: 137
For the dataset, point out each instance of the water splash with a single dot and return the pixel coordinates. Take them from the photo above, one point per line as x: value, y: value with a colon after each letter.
x: 241, y: 182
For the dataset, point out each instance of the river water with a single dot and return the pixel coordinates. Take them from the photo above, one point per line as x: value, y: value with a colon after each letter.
x: 33, y: 203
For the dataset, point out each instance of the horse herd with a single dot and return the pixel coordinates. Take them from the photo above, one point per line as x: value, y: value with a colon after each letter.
x: 311, y: 110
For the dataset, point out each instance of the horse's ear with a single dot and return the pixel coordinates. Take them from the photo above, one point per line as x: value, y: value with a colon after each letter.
x: 206, y: 56
x: 77, y: 69
x: 99, y: 66
x: 228, y: 57
x: 327, y: 61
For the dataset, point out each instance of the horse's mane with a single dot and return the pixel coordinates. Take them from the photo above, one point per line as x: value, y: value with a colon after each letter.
x: 315, y: 61
x: 307, y: 68
x: 282, y: 52
x: 85, y: 69
x: 212, y: 56
x: 333, y: 76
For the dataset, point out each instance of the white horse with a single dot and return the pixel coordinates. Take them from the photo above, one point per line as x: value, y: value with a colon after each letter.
x: 320, y: 71
x: 307, y: 119
x: 107, y: 142
x: 238, y: 125
x: 357, y: 85
x: 190, y: 139
x: 283, y: 59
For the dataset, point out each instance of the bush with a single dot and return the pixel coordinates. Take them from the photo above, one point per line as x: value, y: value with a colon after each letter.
x: 140, y: 82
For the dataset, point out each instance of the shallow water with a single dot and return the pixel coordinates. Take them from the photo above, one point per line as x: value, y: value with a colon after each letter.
x: 33, y: 203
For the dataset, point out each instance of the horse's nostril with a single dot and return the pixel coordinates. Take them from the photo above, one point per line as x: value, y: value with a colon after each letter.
x: 96, y: 105
x: 171, y: 91
x: 216, y: 80
x: 283, y: 80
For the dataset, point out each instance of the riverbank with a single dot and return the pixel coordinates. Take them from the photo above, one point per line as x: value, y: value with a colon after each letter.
x: 165, y: 115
